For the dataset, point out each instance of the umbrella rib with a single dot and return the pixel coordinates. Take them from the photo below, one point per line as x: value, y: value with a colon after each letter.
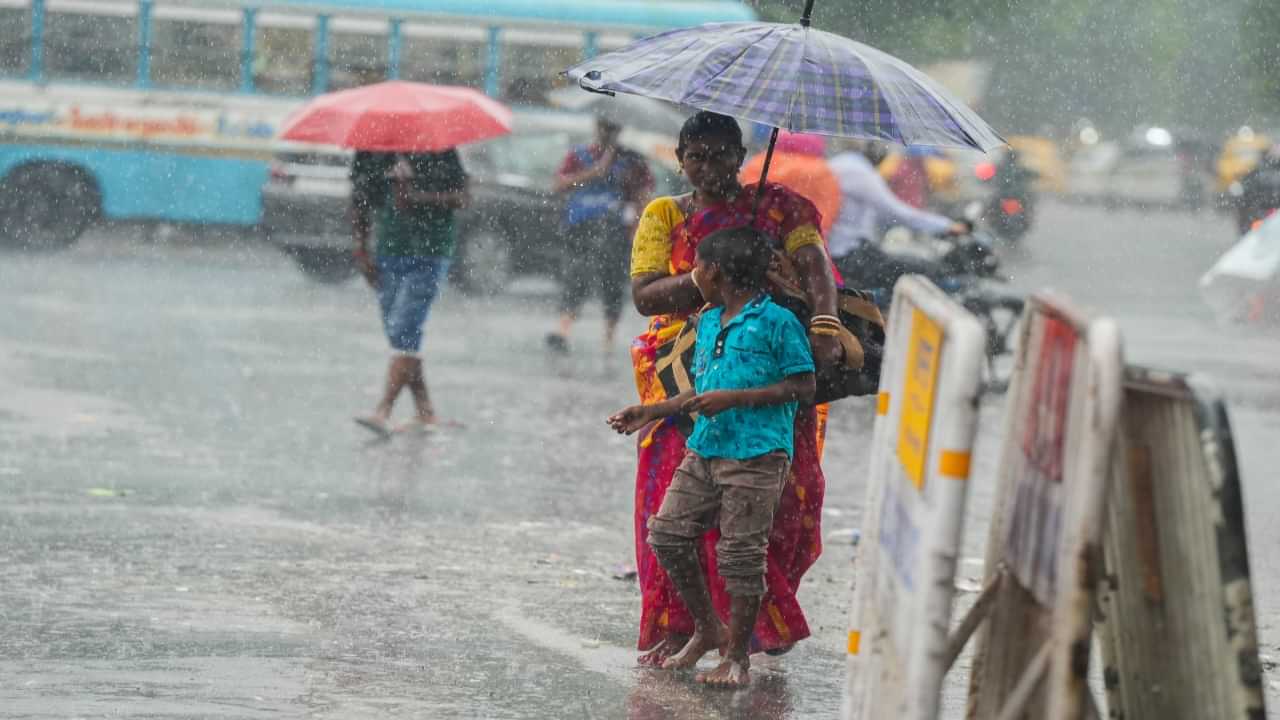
x: 730, y: 65
x: 773, y: 70
x: 672, y: 97
x: 798, y: 93
x: 839, y: 91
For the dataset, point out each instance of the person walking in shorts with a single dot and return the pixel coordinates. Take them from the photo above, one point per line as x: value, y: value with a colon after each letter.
x: 407, y: 202
x: 607, y: 184
x: 752, y: 367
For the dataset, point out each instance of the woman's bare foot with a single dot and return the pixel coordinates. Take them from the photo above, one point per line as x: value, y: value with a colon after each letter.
x: 665, y: 649
x: 699, y: 644
x: 730, y: 673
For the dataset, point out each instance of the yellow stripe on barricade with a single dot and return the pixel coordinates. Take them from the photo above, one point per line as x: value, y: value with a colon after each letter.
x: 882, y: 404
x: 955, y: 464
x: 855, y: 639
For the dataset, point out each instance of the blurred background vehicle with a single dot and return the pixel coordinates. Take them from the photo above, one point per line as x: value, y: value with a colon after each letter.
x: 512, y: 226
x: 164, y: 110
x: 1240, y: 154
x: 1153, y: 168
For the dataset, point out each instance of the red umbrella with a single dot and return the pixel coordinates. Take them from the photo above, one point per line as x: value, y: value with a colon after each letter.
x: 399, y: 117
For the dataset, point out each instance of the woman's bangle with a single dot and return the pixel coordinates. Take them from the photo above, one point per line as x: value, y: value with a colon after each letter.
x: 818, y: 319
x: 824, y: 331
x: 826, y: 324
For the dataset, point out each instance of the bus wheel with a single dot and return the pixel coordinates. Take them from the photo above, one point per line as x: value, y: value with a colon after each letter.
x: 47, y: 207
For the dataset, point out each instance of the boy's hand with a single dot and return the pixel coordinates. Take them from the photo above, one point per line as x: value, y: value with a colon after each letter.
x: 711, y: 403
x: 630, y: 420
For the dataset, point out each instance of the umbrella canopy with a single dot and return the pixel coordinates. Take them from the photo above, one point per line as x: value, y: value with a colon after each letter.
x: 627, y: 111
x: 790, y: 76
x: 1244, y: 284
x: 399, y: 117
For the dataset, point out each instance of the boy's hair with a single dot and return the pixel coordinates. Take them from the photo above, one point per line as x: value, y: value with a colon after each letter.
x: 742, y: 253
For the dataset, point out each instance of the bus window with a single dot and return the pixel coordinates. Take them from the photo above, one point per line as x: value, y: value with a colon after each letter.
x: 94, y: 44
x: 357, y: 52
x: 443, y: 55
x: 15, y: 41
x: 195, y: 49
x: 531, y: 62
x: 283, y: 54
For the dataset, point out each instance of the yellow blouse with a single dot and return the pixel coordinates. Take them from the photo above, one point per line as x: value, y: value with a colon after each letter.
x: 651, y: 247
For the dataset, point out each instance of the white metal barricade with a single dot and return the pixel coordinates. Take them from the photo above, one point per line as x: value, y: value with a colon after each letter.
x: 1177, y: 625
x: 926, y: 417
x: 1043, y: 551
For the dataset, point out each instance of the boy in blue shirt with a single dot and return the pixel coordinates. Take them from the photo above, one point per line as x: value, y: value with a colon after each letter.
x: 752, y: 367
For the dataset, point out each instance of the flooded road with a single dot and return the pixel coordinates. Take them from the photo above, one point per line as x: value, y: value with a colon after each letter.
x: 193, y: 527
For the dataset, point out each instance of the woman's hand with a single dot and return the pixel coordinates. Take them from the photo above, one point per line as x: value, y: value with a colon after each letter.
x: 631, y: 419
x: 827, y: 351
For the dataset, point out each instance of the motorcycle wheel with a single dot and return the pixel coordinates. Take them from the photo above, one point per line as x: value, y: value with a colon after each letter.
x: 1000, y: 316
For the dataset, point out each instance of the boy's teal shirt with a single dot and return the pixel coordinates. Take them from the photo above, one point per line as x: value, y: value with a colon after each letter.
x: 760, y: 346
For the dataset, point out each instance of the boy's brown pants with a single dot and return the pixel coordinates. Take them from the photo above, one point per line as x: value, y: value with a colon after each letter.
x: 742, y: 495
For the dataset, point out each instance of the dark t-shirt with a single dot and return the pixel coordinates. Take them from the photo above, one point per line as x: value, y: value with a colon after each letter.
x: 422, y: 230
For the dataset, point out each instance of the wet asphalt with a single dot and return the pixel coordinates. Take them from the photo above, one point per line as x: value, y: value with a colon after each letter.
x: 193, y: 527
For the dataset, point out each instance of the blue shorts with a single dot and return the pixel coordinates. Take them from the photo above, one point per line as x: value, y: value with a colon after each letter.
x: 407, y: 285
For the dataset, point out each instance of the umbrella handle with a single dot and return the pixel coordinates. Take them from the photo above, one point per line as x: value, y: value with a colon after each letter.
x: 764, y: 172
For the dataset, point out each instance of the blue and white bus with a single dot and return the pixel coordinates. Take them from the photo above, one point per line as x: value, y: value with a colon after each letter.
x: 166, y: 109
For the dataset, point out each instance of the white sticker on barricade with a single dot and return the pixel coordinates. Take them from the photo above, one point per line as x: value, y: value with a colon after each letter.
x: 1044, y: 547
x: 926, y: 417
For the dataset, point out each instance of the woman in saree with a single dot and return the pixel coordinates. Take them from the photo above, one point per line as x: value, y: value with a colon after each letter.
x: 711, y: 154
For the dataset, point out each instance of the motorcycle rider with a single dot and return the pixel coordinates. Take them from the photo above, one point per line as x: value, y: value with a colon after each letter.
x: 866, y: 203
x: 1259, y: 191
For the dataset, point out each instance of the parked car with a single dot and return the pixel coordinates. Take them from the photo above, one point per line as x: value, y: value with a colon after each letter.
x: 511, y: 227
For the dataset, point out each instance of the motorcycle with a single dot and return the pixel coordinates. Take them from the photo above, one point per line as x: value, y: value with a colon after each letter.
x: 963, y: 266
x: 1251, y: 209
x: 1010, y: 208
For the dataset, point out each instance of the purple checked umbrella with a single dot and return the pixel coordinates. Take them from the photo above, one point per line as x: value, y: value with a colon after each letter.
x: 790, y: 76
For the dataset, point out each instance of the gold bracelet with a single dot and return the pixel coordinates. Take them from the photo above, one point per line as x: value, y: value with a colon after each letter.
x: 824, y: 331
x: 818, y: 318
x: 833, y: 326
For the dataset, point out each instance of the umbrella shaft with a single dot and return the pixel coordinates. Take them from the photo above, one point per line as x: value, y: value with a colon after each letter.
x: 807, y: 14
x: 764, y: 171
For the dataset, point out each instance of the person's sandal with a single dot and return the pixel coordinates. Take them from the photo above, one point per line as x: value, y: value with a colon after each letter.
x: 375, y: 425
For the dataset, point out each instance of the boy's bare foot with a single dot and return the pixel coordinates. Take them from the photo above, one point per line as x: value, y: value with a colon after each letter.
x: 665, y: 649
x: 699, y: 644
x: 730, y: 673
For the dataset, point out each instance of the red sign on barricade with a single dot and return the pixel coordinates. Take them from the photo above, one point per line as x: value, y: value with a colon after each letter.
x: 1045, y: 538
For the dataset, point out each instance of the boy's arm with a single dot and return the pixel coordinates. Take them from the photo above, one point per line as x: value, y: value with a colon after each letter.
x: 793, y: 388
x: 670, y: 406
x: 637, y: 416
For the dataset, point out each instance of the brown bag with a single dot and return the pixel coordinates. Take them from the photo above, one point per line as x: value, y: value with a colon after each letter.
x: 862, y: 335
